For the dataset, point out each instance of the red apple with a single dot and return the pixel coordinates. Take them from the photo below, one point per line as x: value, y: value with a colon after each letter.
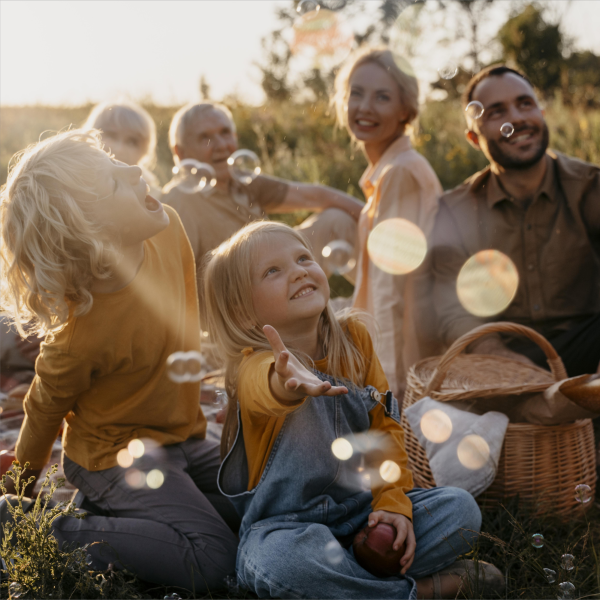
x: 374, y: 550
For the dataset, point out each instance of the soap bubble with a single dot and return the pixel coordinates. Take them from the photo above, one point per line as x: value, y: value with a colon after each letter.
x: 550, y: 575
x: 473, y: 452
x: 436, y: 426
x: 583, y: 493
x: 15, y: 590
x: 567, y: 562
x: 389, y: 471
x: 507, y: 129
x: 342, y: 449
x: 448, y: 71
x: 333, y: 4
x: 185, y: 367
x: 220, y: 400
x: 397, y: 246
x: 172, y: 596
x: 136, y: 448
x: 88, y: 559
x: 487, y: 283
x: 339, y: 257
x: 567, y: 590
x: 334, y: 553
x: 155, y: 479
x: 537, y: 540
x: 244, y: 166
x: 474, y: 109
x: 193, y: 176
x: 307, y: 6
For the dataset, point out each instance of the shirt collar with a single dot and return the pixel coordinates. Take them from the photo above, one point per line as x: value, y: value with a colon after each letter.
x: 369, y: 178
x: 495, y: 192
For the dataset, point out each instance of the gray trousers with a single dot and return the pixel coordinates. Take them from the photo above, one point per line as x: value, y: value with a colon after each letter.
x: 174, y: 535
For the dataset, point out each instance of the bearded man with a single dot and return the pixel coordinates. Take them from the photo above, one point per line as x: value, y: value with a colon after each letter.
x: 538, y: 207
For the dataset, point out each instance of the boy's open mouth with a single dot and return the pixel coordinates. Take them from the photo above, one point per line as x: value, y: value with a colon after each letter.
x: 153, y: 205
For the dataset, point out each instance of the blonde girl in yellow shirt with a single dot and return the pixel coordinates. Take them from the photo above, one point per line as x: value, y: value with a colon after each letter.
x: 93, y: 263
x: 299, y: 378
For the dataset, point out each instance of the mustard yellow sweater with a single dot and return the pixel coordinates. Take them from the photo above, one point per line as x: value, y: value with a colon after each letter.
x: 105, y: 372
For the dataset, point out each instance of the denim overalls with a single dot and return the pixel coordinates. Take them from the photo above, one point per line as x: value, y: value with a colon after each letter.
x: 306, y: 498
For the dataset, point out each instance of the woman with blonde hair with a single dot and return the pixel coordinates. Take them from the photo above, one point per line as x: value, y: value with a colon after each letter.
x: 376, y: 99
x: 129, y: 133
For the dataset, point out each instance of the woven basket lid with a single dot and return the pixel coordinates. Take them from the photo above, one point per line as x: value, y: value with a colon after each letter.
x: 457, y: 376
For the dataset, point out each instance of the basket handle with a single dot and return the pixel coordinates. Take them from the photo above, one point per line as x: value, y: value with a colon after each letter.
x: 556, y: 365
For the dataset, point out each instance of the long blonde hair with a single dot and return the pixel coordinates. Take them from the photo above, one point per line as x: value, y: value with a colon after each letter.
x: 399, y: 69
x: 229, y: 308
x: 50, y: 249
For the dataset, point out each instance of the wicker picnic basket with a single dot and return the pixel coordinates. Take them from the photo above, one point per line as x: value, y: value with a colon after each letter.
x: 539, y: 463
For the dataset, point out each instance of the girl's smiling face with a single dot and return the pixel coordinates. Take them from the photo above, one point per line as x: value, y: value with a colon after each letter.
x: 289, y: 288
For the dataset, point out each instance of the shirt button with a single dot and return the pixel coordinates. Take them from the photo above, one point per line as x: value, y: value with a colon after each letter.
x: 536, y: 307
x: 530, y: 267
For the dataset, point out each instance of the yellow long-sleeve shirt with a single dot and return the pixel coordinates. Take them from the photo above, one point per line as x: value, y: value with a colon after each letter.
x: 263, y: 416
x: 105, y: 372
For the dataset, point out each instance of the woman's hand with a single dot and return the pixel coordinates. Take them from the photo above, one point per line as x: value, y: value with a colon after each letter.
x: 289, y: 379
x: 404, y: 533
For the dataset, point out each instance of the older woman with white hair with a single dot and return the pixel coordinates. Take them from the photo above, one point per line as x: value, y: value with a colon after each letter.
x: 376, y: 99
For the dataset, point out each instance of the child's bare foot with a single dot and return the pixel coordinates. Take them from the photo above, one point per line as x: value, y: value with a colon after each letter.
x: 464, y: 576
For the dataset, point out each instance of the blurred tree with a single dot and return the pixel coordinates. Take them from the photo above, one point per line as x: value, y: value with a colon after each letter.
x: 535, y: 46
x: 580, y: 79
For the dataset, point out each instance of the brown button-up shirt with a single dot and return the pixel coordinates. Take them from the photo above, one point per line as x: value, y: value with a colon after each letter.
x: 554, y: 241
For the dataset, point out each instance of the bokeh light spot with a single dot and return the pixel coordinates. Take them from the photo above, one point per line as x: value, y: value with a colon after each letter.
x: 135, y: 479
x: 487, y: 283
x: 436, y: 426
x: 473, y: 452
x: 136, y: 448
x: 397, y: 246
x: 389, y: 471
x: 342, y: 449
x: 124, y: 459
x: 155, y: 479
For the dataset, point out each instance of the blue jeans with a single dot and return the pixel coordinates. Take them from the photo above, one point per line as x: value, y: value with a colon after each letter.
x: 288, y: 559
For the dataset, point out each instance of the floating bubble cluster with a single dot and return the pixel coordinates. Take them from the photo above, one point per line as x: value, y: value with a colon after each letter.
x: 507, y: 129
x: 334, y: 553
x: 487, y: 283
x: 537, y: 540
x: 566, y: 562
x: 183, y: 367
x: 473, y: 452
x: 307, y: 6
x: 194, y: 177
x: 474, y: 109
x: 389, y: 471
x: 244, y: 166
x: 448, y: 71
x: 583, y: 493
x: 550, y: 575
x: 342, y: 449
x: 436, y: 426
x: 339, y: 257
x: 397, y: 246
x: 567, y: 590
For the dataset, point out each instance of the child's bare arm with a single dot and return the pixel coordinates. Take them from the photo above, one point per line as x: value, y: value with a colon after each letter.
x: 289, y: 379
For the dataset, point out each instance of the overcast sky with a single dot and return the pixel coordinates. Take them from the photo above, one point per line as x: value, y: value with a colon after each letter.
x: 56, y: 52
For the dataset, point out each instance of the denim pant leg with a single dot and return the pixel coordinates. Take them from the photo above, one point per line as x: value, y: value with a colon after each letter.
x: 290, y: 560
x: 445, y: 520
x: 170, y: 536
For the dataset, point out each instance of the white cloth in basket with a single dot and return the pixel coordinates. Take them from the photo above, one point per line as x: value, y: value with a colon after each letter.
x: 446, y: 466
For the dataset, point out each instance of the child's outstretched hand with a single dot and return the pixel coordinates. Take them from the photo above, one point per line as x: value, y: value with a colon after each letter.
x: 290, y: 380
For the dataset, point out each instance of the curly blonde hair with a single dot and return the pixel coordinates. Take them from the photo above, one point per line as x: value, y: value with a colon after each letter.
x: 51, y: 250
x: 228, y: 299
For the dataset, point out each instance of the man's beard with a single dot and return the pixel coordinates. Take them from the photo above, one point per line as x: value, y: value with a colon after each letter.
x: 509, y: 162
